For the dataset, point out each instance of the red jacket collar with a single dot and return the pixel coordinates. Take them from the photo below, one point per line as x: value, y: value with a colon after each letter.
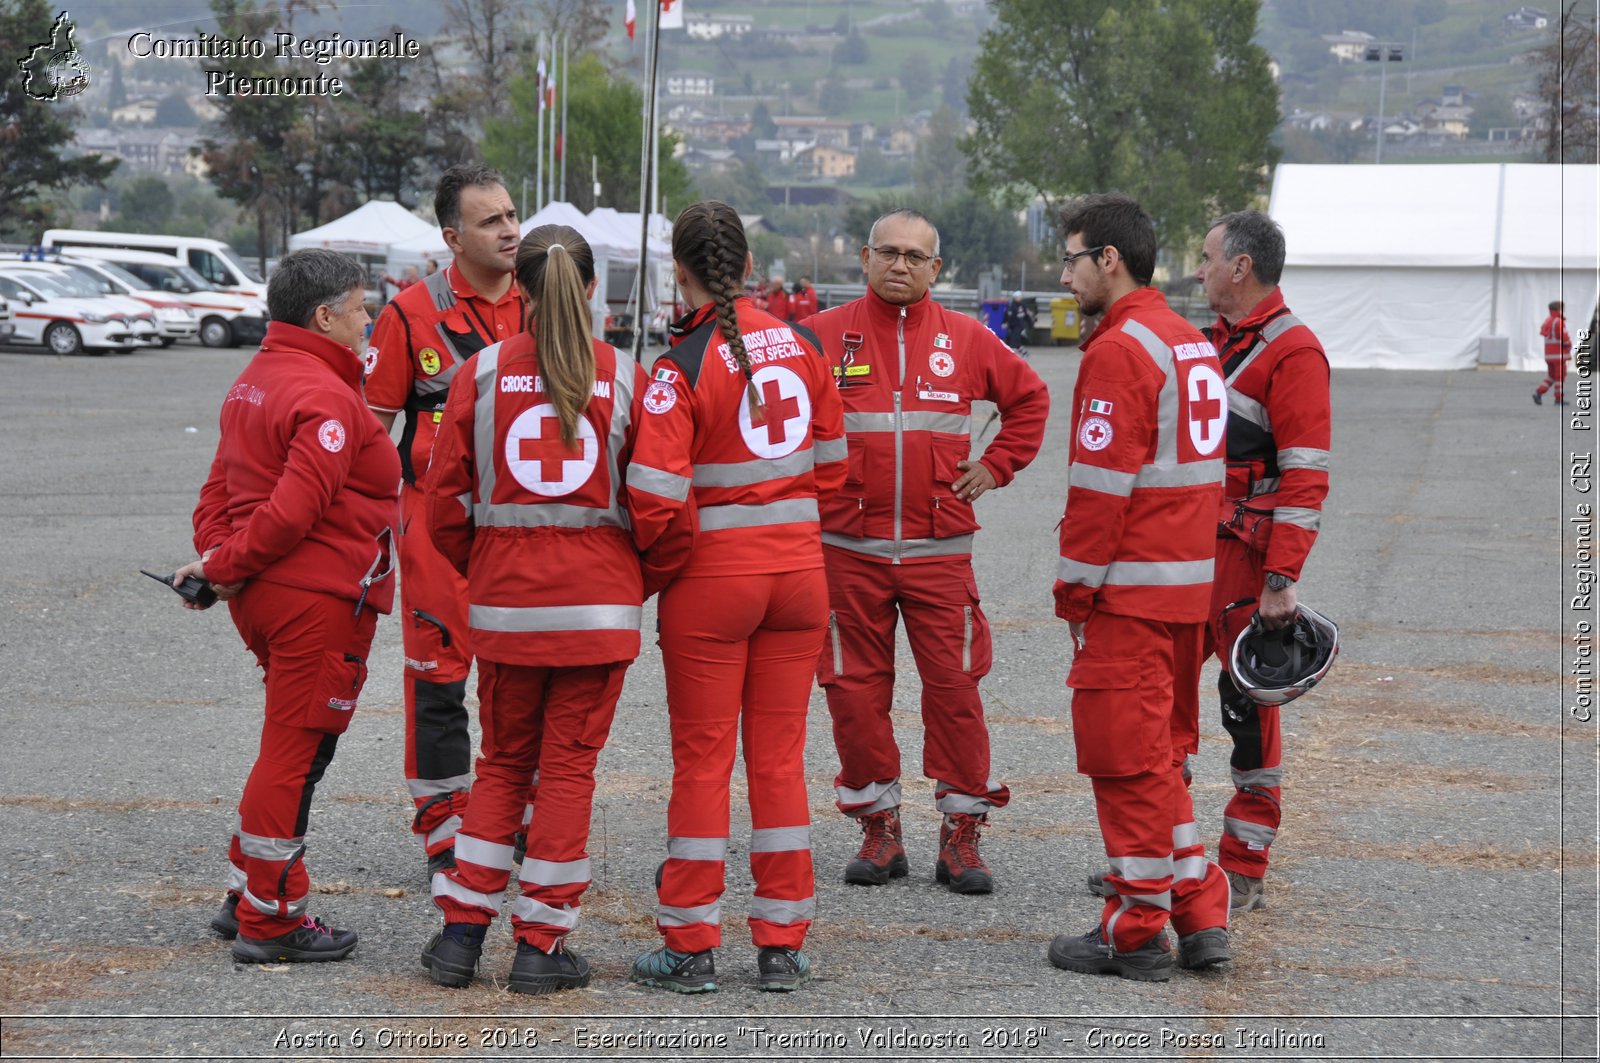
x: 706, y: 311
x: 292, y: 339
x: 1258, y: 316
x: 881, y: 309
x: 1139, y: 299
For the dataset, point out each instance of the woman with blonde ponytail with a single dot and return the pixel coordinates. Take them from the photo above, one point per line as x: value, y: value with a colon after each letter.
x: 546, y: 466
x: 742, y: 624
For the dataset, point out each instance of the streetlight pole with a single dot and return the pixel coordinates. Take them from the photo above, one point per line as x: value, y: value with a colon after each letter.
x: 1383, y: 53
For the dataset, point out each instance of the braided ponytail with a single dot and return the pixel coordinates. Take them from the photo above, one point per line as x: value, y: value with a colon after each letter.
x: 708, y: 240
x: 554, y: 265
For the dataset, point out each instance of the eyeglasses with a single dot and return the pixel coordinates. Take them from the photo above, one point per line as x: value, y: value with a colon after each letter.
x: 1068, y: 260
x: 914, y: 259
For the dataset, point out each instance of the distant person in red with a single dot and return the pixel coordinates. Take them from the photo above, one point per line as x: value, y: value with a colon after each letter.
x: 407, y: 278
x: 778, y: 301
x: 803, y: 300
x: 1557, y: 348
x: 295, y: 528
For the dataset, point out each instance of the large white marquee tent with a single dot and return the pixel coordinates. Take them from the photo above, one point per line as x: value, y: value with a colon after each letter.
x: 1408, y: 267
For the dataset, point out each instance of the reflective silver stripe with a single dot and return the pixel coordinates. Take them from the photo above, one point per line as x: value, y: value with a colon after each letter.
x: 1248, y: 832
x: 442, y: 832
x: 237, y: 878
x: 289, y: 910
x: 953, y: 801
x: 429, y: 386
x: 775, y: 911
x: 954, y: 546
x: 1273, y: 329
x: 831, y: 449
x: 1303, y: 458
x: 873, y: 797
x: 1159, y: 573
x: 1142, y: 868
x: 1095, y: 478
x: 1070, y: 571
x: 434, y: 787
x: 838, y: 646
x: 621, y: 417
x: 1183, y: 474
x: 1271, y: 778
x: 745, y: 473
x: 531, y: 911
x: 1263, y: 486
x: 1189, y: 867
x: 545, y: 515
x: 1185, y: 836
x: 780, y: 839
x: 275, y: 849
x: 966, y: 638
x: 484, y: 854
x: 527, y: 810
x: 1153, y: 345
x: 1242, y: 405
x: 555, y: 617
x: 911, y: 421
x: 445, y: 886
x: 697, y: 848
x: 1309, y: 519
x: 658, y: 482
x: 554, y: 872
x: 1188, y: 768
x: 706, y: 913
x: 783, y: 511
x: 483, y: 426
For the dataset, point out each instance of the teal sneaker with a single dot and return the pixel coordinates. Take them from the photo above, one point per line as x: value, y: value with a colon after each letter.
x: 680, y: 972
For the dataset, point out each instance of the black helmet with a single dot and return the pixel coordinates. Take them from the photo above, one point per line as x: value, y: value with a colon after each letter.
x: 1275, y: 667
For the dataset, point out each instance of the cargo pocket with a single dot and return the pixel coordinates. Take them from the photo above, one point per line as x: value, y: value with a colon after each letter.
x: 343, y: 676
x: 977, y: 646
x: 1117, y: 730
x: 830, y: 665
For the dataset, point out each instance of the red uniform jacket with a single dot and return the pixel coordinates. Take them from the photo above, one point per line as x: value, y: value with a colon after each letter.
x: 1280, y: 425
x: 421, y: 337
x: 548, y: 537
x: 1139, y: 536
x: 757, y: 479
x: 1557, y: 344
x: 302, y: 489
x: 908, y: 377
x: 803, y: 304
x: 778, y: 305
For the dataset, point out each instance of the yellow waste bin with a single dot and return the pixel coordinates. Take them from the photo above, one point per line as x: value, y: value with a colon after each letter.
x: 1064, y: 321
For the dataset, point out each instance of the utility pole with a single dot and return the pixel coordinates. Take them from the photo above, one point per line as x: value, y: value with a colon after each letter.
x: 1383, y: 53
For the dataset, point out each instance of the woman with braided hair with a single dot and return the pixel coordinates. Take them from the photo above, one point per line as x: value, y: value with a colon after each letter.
x: 742, y: 624
x: 547, y: 467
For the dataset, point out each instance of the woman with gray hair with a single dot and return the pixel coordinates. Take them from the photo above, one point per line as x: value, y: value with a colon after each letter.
x: 294, y: 531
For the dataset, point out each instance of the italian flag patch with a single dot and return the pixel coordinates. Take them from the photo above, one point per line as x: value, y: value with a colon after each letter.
x: 1096, y: 406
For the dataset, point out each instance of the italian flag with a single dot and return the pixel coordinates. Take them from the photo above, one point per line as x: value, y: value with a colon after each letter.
x: 1096, y: 406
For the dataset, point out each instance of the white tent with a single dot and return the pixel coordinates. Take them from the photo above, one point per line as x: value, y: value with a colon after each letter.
x: 371, y: 229
x: 621, y: 234
x: 559, y: 213
x: 419, y: 249
x: 1407, y: 267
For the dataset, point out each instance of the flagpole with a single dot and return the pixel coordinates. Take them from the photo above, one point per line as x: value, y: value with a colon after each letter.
x: 555, y: 81
x: 646, y: 171
x: 565, y: 84
x: 538, y: 149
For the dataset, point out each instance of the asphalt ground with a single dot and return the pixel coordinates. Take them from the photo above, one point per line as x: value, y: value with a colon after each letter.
x: 1433, y: 892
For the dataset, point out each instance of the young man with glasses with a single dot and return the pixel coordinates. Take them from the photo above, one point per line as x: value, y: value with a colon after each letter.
x: 897, y: 538
x: 1138, y: 540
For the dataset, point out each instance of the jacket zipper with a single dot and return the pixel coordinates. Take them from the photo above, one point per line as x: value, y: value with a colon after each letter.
x: 966, y: 639
x: 838, y: 648
x: 899, y: 440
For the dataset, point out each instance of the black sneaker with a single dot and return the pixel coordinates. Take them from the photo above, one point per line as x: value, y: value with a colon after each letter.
x: 782, y: 970
x: 310, y: 942
x: 443, y: 860
x: 680, y: 972
x: 539, y: 973
x: 226, y: 921
x: 1204, y: 948
x: 452, y: 956
x: 1089, y: 954
x: 1538, y: 399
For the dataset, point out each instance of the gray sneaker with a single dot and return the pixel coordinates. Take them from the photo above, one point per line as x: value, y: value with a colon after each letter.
x: 1089, y: 954
x: 1246, y: 894
x: 782, y: 970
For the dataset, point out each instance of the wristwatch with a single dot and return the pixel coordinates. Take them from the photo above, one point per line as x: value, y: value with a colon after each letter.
x: 1277, y: 581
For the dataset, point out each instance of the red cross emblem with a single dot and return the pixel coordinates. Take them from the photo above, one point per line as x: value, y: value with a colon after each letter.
x: 1208, y: 412
x: 540, y: 461
x: 780, y: 426
x: 1095, y: 433
x: 776, y: 411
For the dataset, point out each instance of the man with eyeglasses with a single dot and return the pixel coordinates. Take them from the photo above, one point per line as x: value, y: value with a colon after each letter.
x: 1138, y: 542
x: 898, y: 540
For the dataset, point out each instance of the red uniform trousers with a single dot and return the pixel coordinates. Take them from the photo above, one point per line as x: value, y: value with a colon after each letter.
x: 543, y: 729
x: 1135, y: 720
x: 1250, y: 822
x: 1555, y: 372
x: 438, y: 746
x: 739, y: 654
x: 312, y: 648
x: 949, y: 638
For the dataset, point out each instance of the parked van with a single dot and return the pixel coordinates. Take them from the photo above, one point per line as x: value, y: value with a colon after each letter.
x: 227, y: 319
x: 214, y: 260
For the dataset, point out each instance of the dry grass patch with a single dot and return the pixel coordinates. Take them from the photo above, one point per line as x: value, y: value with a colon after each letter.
x: 40, y: 803
x: 37, y: 980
